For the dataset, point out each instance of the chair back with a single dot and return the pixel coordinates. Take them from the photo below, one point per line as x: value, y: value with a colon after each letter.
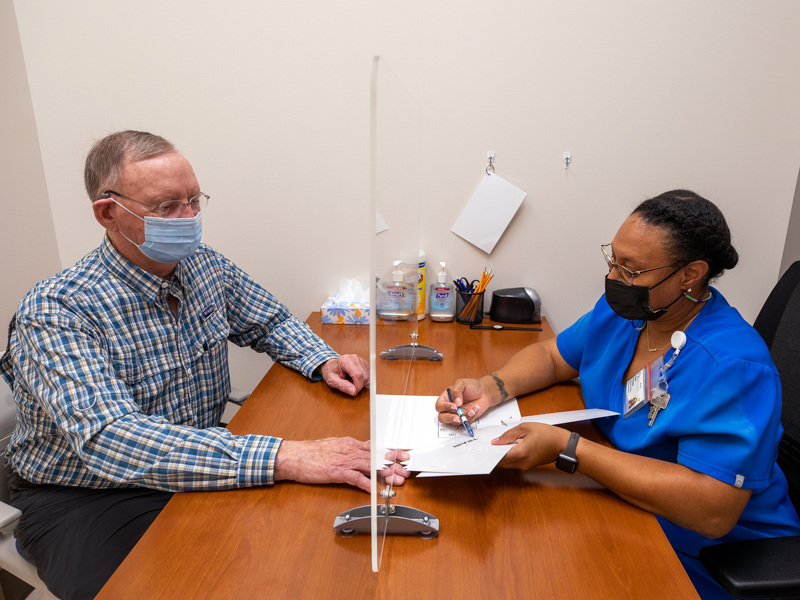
x: 8, y: 418
x: 779, y: 325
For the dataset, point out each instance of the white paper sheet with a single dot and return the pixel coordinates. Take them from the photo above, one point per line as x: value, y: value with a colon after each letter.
x: 506, y: 414
x: 488, y: 213
x: 570, y: 416
x: 479, y: 456
x: 406, y: 422
x: 411, y: 422
x: 464, y: 456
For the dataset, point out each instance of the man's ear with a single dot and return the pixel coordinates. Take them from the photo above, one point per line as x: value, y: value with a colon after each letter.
x: 694, y: 274
x: 102, y: 208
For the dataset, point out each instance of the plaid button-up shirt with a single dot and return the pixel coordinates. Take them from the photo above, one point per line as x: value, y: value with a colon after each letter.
x: 114, y: 390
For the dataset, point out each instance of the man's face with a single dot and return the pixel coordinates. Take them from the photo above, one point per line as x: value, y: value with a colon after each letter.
x: 151, y: 182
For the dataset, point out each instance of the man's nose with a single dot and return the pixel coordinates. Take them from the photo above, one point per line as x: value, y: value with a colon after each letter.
x: 186, y: 210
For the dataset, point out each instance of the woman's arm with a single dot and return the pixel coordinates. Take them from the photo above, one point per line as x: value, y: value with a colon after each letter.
x: 533, y: 368
x: 683, y: 496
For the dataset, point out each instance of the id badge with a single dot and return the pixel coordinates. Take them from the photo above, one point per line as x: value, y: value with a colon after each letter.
x: 636, y: 392
x: 648, y: 383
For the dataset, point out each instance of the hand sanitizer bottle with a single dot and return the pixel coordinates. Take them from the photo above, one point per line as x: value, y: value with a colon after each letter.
x: 443, y: 299
x: 397, y: 301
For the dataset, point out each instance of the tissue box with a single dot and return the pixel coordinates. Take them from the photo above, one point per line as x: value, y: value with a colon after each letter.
x: 345, y: 313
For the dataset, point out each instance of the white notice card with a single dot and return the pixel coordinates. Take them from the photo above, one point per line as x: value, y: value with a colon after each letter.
x: 488, y: 212
x: 380, y: 224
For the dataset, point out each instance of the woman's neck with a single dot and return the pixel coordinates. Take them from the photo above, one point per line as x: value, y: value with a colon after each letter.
x: 679, y: 316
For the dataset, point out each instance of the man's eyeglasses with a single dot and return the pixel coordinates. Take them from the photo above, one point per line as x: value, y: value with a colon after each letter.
x: 171, y: 208
x: 625, y: 274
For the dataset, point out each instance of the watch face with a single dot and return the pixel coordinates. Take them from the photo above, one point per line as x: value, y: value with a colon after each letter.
x: 567, y: 464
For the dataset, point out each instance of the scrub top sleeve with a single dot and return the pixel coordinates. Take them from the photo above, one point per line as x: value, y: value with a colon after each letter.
x: 730, y: 427
x: 572, y: 341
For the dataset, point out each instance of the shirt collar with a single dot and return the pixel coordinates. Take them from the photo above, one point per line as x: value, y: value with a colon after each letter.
x: 145, y: 284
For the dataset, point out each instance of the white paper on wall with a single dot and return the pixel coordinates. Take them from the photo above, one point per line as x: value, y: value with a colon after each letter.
x: 380, y: 224
x: 488, y: 212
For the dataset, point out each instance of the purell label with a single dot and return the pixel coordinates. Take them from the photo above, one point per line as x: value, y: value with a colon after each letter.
x: 396, y: 294
x: 442, y: 295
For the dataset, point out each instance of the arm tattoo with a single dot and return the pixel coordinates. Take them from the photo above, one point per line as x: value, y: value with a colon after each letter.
x: 500, y: 386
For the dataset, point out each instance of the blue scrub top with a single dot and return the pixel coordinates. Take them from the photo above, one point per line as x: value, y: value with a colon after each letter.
x: 723, y: 417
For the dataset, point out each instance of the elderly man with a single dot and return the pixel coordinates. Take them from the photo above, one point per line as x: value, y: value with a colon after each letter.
x: 119, y: 366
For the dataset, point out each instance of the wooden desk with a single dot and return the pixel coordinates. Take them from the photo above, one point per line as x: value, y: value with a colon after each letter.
x: 541, y: 533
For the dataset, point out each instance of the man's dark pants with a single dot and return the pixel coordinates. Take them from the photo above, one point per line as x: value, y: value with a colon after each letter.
x: 77, y: 537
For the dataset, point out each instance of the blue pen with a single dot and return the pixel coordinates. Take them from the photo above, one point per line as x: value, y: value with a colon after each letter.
x: 460, y: 413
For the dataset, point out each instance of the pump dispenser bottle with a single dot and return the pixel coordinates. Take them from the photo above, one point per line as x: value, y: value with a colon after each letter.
x: 443, y: 299
x: 396, y: 304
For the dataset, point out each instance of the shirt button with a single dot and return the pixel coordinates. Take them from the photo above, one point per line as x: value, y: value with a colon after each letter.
x: 165, y: 284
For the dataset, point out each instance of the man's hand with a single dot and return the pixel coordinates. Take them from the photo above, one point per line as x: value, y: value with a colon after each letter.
x: 332, y: 460
x: 348, y: 373
x: 395, y: 473
x: 470, y: 395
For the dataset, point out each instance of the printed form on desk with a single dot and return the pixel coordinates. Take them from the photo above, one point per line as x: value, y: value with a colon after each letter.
x: 411, y: 423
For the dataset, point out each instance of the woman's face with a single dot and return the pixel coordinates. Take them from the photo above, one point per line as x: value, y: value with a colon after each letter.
x: 638, y: 246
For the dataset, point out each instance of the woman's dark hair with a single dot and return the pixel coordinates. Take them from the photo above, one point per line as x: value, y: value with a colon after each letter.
x: 697, y: 230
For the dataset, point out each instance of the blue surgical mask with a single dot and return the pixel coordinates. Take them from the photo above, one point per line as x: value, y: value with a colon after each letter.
x: 168, y: 240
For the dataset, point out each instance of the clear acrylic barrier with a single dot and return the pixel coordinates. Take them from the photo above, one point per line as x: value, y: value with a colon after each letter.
x: 395, y: 162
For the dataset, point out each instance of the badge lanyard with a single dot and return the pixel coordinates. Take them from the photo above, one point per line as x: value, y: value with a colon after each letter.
x: 651, y: 381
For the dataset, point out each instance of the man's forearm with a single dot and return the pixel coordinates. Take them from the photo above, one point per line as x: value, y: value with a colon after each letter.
x: 178, y: 458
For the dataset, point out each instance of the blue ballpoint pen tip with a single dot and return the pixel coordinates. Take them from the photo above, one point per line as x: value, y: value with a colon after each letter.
x: 469, y: 429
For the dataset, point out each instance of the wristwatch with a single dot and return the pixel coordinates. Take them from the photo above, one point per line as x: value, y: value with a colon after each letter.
x: 567, y: 461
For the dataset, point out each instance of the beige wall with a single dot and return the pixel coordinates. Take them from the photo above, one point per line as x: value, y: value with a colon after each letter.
x: 270, y: 102
x: 27, y: 238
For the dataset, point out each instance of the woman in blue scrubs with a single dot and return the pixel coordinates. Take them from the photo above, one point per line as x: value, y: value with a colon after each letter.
x: 705, y: 464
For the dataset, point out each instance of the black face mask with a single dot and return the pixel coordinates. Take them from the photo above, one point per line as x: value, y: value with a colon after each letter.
x: 633, y: 301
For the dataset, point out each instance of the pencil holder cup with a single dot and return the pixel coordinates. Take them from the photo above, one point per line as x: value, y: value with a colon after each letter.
x: 469, y: 307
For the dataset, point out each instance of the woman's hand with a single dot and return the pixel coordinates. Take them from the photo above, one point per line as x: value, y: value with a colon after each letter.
x: 535, y: 444
x: 470, y: 395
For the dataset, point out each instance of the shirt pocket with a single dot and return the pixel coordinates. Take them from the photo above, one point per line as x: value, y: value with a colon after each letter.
x: 151, y: 382
x: 129, y: 369
x: 210, y: 350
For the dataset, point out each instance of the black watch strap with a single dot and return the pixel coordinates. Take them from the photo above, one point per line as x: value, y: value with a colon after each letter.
x: 567, y: 461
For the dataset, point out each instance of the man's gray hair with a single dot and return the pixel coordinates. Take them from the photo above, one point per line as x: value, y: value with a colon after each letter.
x: 107, y: 159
